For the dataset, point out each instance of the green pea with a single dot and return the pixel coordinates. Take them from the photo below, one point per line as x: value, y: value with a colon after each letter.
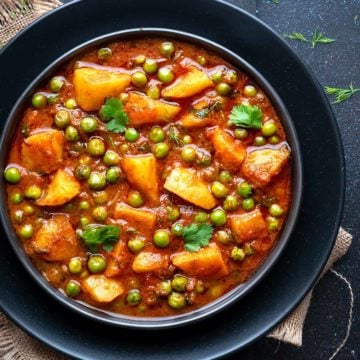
x: 113, y: 175
x: 166, y: 75
x: 100, y: 197
x: 71, y: 133
x: 39, y: 101
x: 111, y: 158
x: 18, y: 216
x: 223, y: 237
x: 177, y: 229
x: 96, y: 264
x: 218, y: 217
x: 237, y: 254
x: 156, y: 134
x: 96, y: 147
x: 150, y: 66
x: 104, y: 53
x: 139, y: 79
x: 249, y: 91
x: 56, y: 83
x: 276, y: 210
x: 231, y: 77
x: 225, y: 177
x: 188, y: 154
x: 216, y: 77
x: 12, y: 175
x: 100, y: 213
x: 176, y: 300
x: 97, y: 181
x: 203, y: 158
x: 201, y: 217
x: 268, y: 129
x: 62, y: 119
x: 173, y: 213
x: 199, y: 287
x: 75, y: 265
x: 135, y: 199
x: 153, y: 91
x: 72, y: 288
x: 230, y: 203
x: 33, y: 192
x: 136, y: 244
x: 131, y: 134
x: 219, y: 190
x: 187, y: 139
x: 82, y: 172
x: 124, y: 148
x: 28, y: 209
x: 26, y: 231
x: 84, y: 205
x: 16, y: 198
x: 83, y: 221
x: 140, y: 59
x: 70, y: 104
x: 248, y: 204
x: 223, y: 89
x: 244, y: 189
x: 167, y: 49
x: 88, y: 124
x: 248, y: 249
x: 274, y: 140
x: 179, y: 283
x: 201, y: 60
x: 133, y: 297
x: 161, y: 150
x: 161, y: 238
x: 273, y: 223
x: 241, y: 134
x: 165, y: 288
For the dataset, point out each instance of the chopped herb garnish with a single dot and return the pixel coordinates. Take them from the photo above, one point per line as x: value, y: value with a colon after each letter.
x: 201, y: 113
x: 174, y: 135
x: 317, y: 38
x: 114, y: 114
x: 105, y: 235
x: 197, y: 236
x: 246, y: 116
x: 341, y: 94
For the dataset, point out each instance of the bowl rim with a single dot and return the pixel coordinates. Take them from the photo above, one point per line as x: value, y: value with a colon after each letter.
x: 153, y: 323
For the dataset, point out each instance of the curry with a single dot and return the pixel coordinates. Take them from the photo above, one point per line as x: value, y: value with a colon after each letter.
x: 148, y: 177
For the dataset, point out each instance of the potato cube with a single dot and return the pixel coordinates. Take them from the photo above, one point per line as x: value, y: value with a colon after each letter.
x: 101, y: 289
x: 188, y: 186
x: 149, y: 262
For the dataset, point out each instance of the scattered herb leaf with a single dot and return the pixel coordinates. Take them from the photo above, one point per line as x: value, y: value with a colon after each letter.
x: 197, y: 236
x: 276, y: 1
x: 316, y: 38
x: 174, y: 135
x: 341, y: 94
x: 246, y: 116
x: 201, y: 113
x: 105, y: 235
x: 115, y: 116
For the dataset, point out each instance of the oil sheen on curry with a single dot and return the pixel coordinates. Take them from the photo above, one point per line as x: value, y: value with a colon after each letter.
x: 148, y: 178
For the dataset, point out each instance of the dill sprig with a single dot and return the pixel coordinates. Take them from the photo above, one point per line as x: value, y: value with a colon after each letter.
x: 341, y: 94
x: 317, y: 38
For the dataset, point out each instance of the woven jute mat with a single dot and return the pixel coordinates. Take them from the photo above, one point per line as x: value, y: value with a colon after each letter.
x: 17, y: 345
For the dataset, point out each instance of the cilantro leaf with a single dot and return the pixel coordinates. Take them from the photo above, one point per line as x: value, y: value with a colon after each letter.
x: 197, y: 236
x: 246, y: 116
x: 105, y: 235
x: 114, y: 114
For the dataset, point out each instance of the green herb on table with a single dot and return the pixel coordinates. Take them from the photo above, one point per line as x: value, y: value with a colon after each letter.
x: 276, y: 1
x: 114, y: 114
x: 95, y: 235
x: 246, y: 116
x: 197, y: 236
x: 317, y: 38
x: 341, y: 94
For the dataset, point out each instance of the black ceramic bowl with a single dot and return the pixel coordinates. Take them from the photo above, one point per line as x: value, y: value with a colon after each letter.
x: 233, y: 295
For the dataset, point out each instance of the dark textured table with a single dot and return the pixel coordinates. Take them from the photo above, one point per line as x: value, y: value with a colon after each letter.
x: 335, y: 64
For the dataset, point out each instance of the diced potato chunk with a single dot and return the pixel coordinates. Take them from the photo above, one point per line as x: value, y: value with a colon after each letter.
x: 229, y: 153
x: 62, y: 188
x: 142, y: 109
x: 101, y: 289
x: 93, y: 86
x: 43, y: 151
x: 141, y: 172
x: 188, y: 186
x: 206, y: 263
x: 248, y: 226
x: 190, y: 120
x: 260, y: 166
x: 189, y: 84
x: 141, y: 220
x: 56, y: 239
x: 149, y: 261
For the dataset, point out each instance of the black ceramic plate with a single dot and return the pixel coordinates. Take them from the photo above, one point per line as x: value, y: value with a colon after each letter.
x: 287, y: 283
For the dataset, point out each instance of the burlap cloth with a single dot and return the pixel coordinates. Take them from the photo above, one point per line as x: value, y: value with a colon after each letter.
x: 17, y: 345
